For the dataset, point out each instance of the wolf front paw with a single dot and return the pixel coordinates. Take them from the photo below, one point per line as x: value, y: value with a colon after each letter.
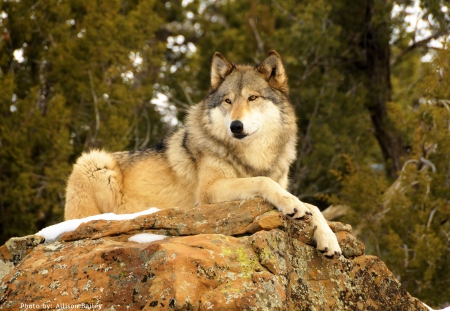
x: 327, y: 242
x: 294, y: 208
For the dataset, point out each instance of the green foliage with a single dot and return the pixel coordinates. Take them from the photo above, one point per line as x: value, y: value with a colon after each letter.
x: 31, y: 192
x: 76, y: 88
x: 407, y: 223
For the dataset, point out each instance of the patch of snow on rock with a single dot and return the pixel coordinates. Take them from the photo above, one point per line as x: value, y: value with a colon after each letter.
x: 52, y: 232
x: 146, y: 238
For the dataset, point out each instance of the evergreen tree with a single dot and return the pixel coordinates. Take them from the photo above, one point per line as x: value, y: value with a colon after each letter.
x: 85, y: 80
x: 407, y: 223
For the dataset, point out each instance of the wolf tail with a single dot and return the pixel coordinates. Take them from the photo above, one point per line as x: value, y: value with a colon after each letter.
x: 94, y: 187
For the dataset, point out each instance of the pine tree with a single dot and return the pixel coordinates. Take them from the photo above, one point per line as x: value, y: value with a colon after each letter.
x: 85, y: 81
x: 407, y: 223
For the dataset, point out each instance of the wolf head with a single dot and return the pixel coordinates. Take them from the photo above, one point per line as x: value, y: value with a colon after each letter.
x: 245, y: 101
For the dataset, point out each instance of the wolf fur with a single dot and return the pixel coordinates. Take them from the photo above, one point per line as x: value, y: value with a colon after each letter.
x: 236, y: 144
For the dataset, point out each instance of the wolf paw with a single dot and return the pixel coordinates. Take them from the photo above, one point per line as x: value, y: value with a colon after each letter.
x: 327, y: 242
x: 294, y: 208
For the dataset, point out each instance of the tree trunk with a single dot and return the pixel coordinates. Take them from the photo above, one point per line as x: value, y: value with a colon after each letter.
x: 376, y: 49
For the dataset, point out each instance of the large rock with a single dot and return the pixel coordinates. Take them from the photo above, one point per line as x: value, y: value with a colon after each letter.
x: 231, y: 256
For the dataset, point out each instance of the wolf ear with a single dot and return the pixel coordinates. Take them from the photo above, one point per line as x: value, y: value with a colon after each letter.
x: 220, y: 68
x: 272, y: 69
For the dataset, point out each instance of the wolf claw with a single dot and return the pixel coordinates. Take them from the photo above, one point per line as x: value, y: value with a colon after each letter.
x: 323, y: 250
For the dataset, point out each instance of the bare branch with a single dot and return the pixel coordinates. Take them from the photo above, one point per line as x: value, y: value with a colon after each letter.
x: 419, y: 44
x: 279, y: 7
x: 428, y: 163
x: 406, y: 250
x: 312, y: 67
x: 136, y: 129
x: 97, y: 115
x: 306, y: 139
x: 430, y: 218
x: 257, y: 36
x: 180, y: 103
x: 335, y: 211
x: 188, y: 97
x: 304, y: 149
x: 33, y: 7
x: 128, y: 134
x: 147, y: 135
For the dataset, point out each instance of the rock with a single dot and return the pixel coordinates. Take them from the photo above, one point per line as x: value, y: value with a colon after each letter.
x: 15, y: 250
x: 232, y: 218
x: 230, y: 256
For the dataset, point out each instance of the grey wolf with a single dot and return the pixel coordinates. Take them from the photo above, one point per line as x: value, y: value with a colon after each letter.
x: 236, y: 144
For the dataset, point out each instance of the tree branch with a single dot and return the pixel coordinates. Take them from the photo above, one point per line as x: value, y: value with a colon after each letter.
x: 279, y: 7
x: 188, y: 97
x: 97, y: 115
x: 257, y: 36
x: 418, y: 44
x: 335, y: 211
x: 147, y: 135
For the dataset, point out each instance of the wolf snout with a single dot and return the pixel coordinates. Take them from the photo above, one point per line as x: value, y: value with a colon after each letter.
x: 236, y: 127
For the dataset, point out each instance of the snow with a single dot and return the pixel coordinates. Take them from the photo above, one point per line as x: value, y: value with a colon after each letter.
x: 52, y: 232
x: 146, y: 238
x: 167, y: 110
x: 419, y: 25
x: 445, y: 309
x: 18, y: 56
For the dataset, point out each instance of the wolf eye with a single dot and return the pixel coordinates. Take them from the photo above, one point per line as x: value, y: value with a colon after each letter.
x: 252, y: 98
x: 228, y: 101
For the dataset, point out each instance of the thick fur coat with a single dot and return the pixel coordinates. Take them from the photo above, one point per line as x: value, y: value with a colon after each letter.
x: 236, y: 144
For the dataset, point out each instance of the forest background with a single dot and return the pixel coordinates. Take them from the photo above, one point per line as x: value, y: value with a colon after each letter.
x: 369, y: 80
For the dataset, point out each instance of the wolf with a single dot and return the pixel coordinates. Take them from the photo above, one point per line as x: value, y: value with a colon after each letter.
x: 237, y: 143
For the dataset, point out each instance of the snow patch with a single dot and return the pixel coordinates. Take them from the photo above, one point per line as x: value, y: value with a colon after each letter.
x: 18, y: 56
x: 146, y: 238
x: 445, y: 309
x: 52, y: 232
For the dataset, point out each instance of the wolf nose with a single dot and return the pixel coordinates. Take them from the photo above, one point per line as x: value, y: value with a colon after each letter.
x: 236, y: 127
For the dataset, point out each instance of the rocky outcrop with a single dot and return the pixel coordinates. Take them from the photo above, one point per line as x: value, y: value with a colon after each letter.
x: 231, y: 256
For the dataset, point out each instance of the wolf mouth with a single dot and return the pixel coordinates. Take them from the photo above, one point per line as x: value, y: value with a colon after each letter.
x: 240, y: 136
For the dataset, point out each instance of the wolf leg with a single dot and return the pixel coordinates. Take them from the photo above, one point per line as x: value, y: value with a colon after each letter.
x: 326, y: 239
x: 94, y: 187
x: 229, y: 189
